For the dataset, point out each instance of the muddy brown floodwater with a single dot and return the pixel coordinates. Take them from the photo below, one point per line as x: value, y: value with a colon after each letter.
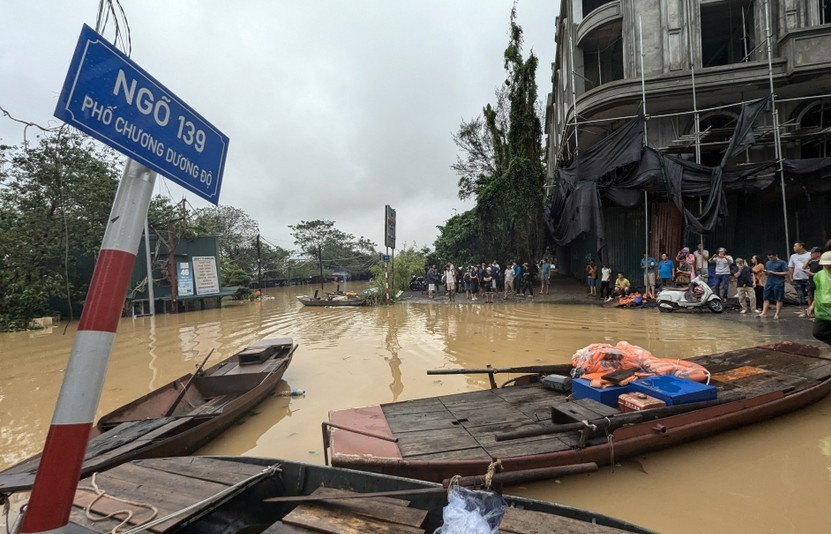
x: 773, y: 477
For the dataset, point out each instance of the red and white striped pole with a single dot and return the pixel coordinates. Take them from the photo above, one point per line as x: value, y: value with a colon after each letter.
x: 66, y: 443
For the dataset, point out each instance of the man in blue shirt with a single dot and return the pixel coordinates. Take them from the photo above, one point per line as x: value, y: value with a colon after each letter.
x: 666, y: 269
x: 776, y: 270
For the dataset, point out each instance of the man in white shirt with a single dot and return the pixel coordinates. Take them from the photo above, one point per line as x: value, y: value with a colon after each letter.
x: 797, y: 274
x: 702, y: 256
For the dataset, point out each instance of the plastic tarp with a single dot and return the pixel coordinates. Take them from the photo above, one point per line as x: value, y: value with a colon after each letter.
x: 618, y: 170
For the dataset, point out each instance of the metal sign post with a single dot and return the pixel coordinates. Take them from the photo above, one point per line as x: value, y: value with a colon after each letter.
x: 111, y: 98
x: 389, y: 242
x: 66, y: 442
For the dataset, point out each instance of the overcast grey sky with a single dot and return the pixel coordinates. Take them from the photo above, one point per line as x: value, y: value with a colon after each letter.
x: 333, y: 108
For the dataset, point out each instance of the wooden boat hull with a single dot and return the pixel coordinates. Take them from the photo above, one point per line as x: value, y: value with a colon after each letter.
x: 218, y: 397
x: 350, y: 301
x: 171, y: 484
x: 794, y: 377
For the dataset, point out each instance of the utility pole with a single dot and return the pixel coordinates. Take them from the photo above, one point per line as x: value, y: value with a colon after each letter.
x: 259, y: 264
x: 171, y: 268
x: 320, y: 263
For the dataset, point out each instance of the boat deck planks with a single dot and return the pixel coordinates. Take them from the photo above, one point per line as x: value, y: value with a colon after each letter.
x: 463, y: 426
x: 356, y: 516
x: 167, y: 484
x: 209, y: 469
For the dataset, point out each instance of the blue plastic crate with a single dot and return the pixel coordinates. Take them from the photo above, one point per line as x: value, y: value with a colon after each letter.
x: 581, y: 389
x: 673, y: 390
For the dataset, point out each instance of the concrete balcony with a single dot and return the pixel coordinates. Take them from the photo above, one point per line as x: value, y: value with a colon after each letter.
x: 807, y: 49
x: 598, y: 18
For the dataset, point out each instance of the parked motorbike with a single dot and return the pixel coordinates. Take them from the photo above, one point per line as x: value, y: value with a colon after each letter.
x: 417, y: 283
x: 697, y: 295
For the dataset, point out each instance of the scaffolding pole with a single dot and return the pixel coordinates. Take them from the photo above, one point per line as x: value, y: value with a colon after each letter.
x: 573, y: 82
x: 777, y: 142
x: 645, y: 142
x: 696, y: 115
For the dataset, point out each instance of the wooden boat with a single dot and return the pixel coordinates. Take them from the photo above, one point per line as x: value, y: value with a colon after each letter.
x: 212, y: 495
x: 332, y: 299
x: 179, y: 417
x: 434, y: 438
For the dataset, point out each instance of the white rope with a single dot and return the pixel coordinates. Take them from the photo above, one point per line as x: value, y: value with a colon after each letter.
x: 99, y: 493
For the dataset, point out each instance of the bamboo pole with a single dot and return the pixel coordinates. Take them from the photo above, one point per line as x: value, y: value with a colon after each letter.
x: 777, y: 141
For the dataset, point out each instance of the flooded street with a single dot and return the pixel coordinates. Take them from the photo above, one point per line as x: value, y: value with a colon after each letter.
x: 773, y: 477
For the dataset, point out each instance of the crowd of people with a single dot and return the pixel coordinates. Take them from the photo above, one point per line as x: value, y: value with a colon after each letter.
x: 487, y: 280
x: 758, y: 283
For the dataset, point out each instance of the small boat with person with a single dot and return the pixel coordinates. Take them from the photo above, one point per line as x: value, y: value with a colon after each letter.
x: 336, y: 298
x: 543, y: 417
x: 214, y: 494
x: 178, y: 417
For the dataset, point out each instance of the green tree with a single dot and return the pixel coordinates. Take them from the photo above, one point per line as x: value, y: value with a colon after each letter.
x: 320, y: 241
x: 408, y: 262
x: 502, y: 163
x: 55, y: 199
x: 460, y: 241
x: 236, y: 231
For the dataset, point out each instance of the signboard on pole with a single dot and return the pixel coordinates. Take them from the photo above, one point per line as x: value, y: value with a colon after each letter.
x: 184, y: 284
x: 205, y: 275
x: 111, y: 98
x: 389, y: 227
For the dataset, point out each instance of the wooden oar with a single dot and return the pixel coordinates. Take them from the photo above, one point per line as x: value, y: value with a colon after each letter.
x: 557, y: 369
x: 394, y: 493
x: 561, y: 368
x: 505, y: 478
x: 187, y: 386
x: 508, y: 478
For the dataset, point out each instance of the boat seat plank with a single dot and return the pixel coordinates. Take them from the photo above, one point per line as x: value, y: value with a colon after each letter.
x: 213, y: 406
x: 320, y: 518
x: 138, y: 442
x: 226, y: 472
x: 426, y: 441
x: 516, y: 521
x: 580, y: 410
x: 385, y: 508
x: 115, y: 437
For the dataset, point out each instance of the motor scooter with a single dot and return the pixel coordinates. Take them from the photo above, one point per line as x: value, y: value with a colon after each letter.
x: 697, y: 295
x: 417, y: 283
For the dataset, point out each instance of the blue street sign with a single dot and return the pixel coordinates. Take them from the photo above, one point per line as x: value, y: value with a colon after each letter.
x: 386, y: 258
x: 111, y: 98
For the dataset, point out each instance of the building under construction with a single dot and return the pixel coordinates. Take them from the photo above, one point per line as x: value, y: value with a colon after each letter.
x: 673, y: 121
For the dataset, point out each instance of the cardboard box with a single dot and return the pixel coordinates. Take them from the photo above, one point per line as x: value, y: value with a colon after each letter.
x: 635, y: 402
x: 581, y: 389
x: 673, y: 390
